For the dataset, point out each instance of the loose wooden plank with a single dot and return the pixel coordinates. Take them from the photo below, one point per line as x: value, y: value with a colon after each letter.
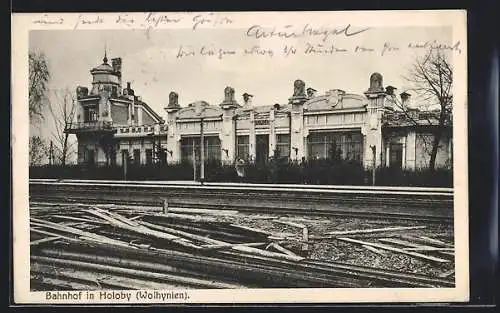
x: 416, y: 247
x: 425, y: 241
x: 374, y: 250
x: 41, y: 231
x: 219, y: 242
x: 289, y: 223
x: 435, y: 241
x: 394, y: 249
x: 99, y: 280
x: 184, y: 234
x: 138, y: 228
x: 79, y: 219
x: 250, y: 229
x: 282, y: 249
x: 136, y: 273
x: 374, y: 230
x: 42, y: 240
x: 76, y: 231
x: 429, y: 249
x: 230, y: 245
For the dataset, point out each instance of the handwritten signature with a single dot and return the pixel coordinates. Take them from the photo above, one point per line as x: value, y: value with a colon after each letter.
x: 289, y: 31
x: 46, y: 20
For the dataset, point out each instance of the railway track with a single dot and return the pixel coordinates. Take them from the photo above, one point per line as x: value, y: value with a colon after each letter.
x: 425, y: 204
x: 124, y: 248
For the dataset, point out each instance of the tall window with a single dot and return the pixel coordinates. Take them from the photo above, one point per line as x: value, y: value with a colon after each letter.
x: 242, y: 147
x: 396, y: 155
x: 212, y: 148
x: 90, y: 114
x: 89, y: 156
x: 112, y: 157
x: 149, y: 156
x: 338, y: 145
x: 283, y: 145
x: 124, y: 157
x: 137, y: 156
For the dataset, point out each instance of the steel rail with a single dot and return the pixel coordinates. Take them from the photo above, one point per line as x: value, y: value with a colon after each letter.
x: 399, y: 204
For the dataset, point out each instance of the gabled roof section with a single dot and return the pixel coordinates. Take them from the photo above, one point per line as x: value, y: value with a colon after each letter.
x: 151, y: 112
x: 207, y: 111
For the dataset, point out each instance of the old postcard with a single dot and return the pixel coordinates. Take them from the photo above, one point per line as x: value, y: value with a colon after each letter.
x: 230, y: 157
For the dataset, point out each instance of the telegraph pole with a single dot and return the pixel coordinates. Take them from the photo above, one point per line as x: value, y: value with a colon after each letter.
x: 374, y: 150
x: 125, y: 162
x: 202, y: 151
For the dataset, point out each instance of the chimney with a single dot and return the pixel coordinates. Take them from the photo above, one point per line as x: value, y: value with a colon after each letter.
x: 128, y: 91
x: 405, y: 99
x: 229, y: 101
x: 173, y: 100
x: 82, y: 92
x: 116, y: 64
x: 390, y: 90
x: 311, y: 92
x: 247, y: 99
x: 376, y: 83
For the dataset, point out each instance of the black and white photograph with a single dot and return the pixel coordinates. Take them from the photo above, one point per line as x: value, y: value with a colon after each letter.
x: 211, y: 157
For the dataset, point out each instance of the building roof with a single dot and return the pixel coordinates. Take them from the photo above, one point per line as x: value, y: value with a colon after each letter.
x: 150, y: 111
x: 104, y: 67
x: 412, y: 118
x: 334, y: 101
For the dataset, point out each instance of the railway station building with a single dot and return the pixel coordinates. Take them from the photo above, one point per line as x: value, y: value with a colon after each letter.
x: 114, y: 124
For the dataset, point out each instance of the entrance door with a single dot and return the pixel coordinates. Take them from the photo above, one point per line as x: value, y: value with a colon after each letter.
x: 396, y: 151
x: 262, y: 145
x: 124, y: 157
x: 90, y: 157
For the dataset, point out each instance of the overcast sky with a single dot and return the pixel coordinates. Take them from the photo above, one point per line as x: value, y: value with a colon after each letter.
x: 150, y: 61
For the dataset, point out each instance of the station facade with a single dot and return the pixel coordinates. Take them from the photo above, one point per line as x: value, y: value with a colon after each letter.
x: 114, y: 124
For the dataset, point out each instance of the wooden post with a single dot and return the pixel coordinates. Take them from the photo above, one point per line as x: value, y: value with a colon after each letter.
x: 165, y: 206
x: 305, y: 239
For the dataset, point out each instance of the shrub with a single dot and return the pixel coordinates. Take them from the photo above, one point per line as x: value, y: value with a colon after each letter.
x: 322, y: 171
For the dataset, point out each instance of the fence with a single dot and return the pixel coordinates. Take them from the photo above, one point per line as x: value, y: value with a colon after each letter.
x: 309, y: 172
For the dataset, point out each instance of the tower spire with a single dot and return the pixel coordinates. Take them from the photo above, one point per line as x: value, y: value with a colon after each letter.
x: 105, y: 59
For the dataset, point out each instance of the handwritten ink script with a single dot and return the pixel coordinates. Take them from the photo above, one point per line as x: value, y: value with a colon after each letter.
x: 48, y: 20
x: 288, y: 40
x: 312, y: 49
x: 289, y: 31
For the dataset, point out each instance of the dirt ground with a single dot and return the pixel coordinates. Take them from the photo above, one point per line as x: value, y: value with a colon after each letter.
x: 351, y: 253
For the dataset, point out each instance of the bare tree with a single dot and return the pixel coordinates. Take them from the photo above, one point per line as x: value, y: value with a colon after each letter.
x: 431, y: 78
x: 62, y: 112
x: 37, y: 150
x: 38, y: 80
